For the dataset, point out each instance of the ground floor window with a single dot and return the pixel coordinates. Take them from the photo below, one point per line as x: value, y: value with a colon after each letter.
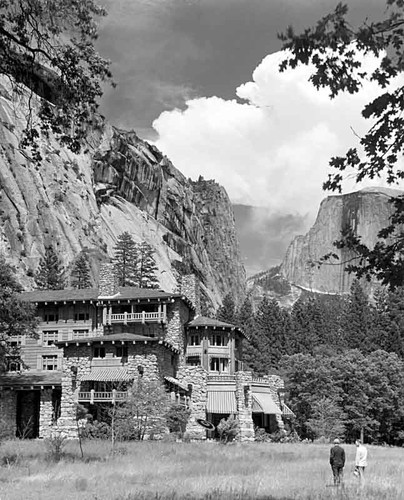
x: 219, y: 365
x: 193, y: 360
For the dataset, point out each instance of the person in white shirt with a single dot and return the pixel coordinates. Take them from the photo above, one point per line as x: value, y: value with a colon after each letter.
x: 361, y: 460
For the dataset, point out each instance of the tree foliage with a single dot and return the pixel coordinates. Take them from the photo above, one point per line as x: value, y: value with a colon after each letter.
x: 16, y: 317
x: 50, y: 273
x: 80, y: 274
x: 335, y: 49
x: 227, y: 311
x: 134, y: 263
x: 48, y: 46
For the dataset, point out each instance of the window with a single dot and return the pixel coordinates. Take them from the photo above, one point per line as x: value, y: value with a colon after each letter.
x: 79, y: 334
x: 81, y: 316
x: 194, y: 340
x: 16, y: 340
x: 51, y: 316
x: 99, y: 352
x: 49, y: 363
x: 219, y: 365
x: 193, y: 360
x: 121, y: 351
x: 218, y: 340
x: 49, y: 337
x: 13, y: 363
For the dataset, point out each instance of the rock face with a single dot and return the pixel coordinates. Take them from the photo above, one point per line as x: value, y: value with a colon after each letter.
x: 366, y: 211
x: 119, y: 183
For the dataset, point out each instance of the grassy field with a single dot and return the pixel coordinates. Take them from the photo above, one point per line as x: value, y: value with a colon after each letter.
x: 157, y: 470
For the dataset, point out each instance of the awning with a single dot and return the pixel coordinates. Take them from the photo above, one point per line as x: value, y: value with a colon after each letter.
x: 176, y: 382
x: 221, y: 402
x: 287, y: 411
x: 108, y: 375
x: 263, y: 403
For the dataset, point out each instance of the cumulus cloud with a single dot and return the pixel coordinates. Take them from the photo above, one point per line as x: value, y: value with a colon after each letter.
x: 271, y: 146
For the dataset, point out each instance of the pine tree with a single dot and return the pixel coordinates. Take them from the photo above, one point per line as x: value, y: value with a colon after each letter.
x: 16, y: 317
x: 358, y: 320
x: 245, y: 320
x: 125, y: 260
x: 80, y: 274
x: 227, y: 311
x: 49, y: 275
x: 146, y: 268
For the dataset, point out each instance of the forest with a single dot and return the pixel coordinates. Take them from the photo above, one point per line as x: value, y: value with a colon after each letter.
x: 341, y: 358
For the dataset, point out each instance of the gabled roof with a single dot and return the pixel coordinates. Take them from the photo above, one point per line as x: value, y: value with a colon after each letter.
x: 204, y: 322
x: 31, y: 378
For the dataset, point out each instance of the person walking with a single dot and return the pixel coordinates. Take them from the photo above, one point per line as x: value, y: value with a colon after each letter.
x: 361, y: 460
x: 337, y: 461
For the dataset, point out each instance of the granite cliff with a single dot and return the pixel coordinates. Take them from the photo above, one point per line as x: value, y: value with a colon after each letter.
x: 365, y: 211
x: 118, y: 183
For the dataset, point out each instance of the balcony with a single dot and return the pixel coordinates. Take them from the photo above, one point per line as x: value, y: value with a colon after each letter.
x: 102, y: 397
x: 142, y: 317
x: 221, y: 378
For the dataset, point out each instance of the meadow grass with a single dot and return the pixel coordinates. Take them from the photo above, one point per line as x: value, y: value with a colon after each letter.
x: 173, y: 471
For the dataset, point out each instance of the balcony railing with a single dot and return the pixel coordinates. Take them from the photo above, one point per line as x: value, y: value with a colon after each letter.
x: 221, y: 378
x: 98, y: 397
x: 142, y: 317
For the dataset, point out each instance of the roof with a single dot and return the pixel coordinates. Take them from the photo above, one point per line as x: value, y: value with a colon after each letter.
x: 204, y: 321
x: 87, y: 294
x: 287, y: 411
x: 31, y: 378
x: 221, y: 402
x: 263, y: 403
x: 60, y: 295
x: 108, y: 374
x: 114, y: 337
x: 176, y: 382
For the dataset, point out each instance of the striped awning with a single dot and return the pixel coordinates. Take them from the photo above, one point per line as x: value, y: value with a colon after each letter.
x: 221, y: 402
x: 108, y: 375
x: 263, y: 403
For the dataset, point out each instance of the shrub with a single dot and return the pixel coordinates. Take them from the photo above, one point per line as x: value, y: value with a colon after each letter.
x: 96, y: 430
x: 228, y: 429
x: 261, y: 436
x: 177, y: 418
x: 55, y: 445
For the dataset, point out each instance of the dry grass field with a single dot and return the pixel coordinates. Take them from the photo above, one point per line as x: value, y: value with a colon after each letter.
x: 158, y: 470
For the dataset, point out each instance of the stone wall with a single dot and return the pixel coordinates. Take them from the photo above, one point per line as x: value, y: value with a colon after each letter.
x: 8, y: 414
x: 108, y: 284
x: 46, y: 423
x: 197, y: 377
x: 190, y: 287
x: 177, y: 316
x: 244, y: 405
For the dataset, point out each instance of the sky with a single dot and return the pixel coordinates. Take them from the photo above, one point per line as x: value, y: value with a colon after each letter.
x: 200, y: 79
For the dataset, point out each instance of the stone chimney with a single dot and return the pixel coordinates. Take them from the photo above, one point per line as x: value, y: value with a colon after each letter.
x: 190, y: 287
x: 108, y: 283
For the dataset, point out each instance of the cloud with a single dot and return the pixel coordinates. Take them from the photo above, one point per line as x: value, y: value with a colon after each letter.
x: 271, y: 146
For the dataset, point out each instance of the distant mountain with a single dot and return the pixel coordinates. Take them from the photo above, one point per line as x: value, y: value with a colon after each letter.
x: 366, y: 211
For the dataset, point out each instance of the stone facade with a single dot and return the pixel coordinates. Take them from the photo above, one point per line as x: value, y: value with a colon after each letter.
x: 244, y: 405
x: 108, y: 283
x: 46, y: 413
x: 190, y: 287
x: 197, y: 377
x: 178, y: 316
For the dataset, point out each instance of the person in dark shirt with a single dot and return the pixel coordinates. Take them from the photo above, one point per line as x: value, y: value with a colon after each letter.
x: 337, y: 461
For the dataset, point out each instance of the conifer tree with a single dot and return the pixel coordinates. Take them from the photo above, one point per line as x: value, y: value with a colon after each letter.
x: 81, y: 273
x: 227, y: 311
x: 16, y: 317
x: 358, y: 320
x: 146, y: 268
x: 125, y: 260
x: 245, y: 320
x: 49, y: 275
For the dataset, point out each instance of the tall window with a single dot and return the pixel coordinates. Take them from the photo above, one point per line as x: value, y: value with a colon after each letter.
x: 194, y: 340
x: 99, y: 352
x: 81, y: 316
x: 218, y: 340
x: 219, y: 365
x: 49, y: 363
x: 193, y: 360
x: 121, y: 351
x: 13, y: 364
x: 51, y: 316
x: 49, y: 338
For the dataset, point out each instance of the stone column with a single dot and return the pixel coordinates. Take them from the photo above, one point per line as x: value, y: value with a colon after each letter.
x: 244, y: 405
x: 197, y: 377
x: 45, y: 413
